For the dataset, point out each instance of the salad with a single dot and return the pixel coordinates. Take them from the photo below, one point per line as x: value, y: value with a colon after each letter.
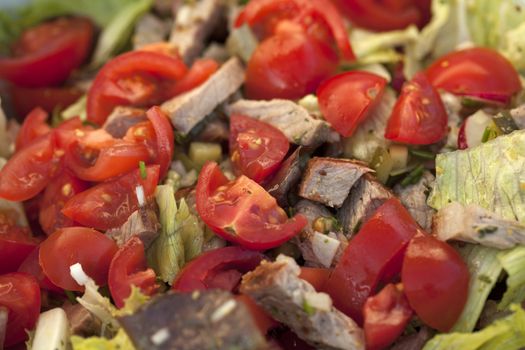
x: 262, y: 174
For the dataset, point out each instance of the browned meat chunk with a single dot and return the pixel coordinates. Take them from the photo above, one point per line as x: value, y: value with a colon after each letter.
x: 365, y: 197
x: 187, y: 110
x: 202, y: 320
x: 329, y: 180
x: 81, y: 321
x: 150, y: 29
x: 414, y: 198
x: 122, y: 119
x: 276, y: 287
x: 142, y: 223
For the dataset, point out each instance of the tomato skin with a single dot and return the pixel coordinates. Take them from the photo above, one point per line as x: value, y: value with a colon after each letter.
x: 46, y: 54
x: 386, y: 315
x: 343, y: 113
x: 128, y: 268
x: 263, y: 321
x: 478, y: 72
x: 257, y: 148
x: 33, y: 127
x: 316, y: 276
x: 435, y: 280
x: 101, y: 206
x: 20, y: 295
x: 92, y: 249
x: 136, y: 78
x: 48, y: 98
x: 209, y: 269
x: 30, y: 170
x: 56, y: 194
x: 419, y: 116
x: 32, y: 267
x: 374, y: 255
x: 288, y: 65
x: 198, y: 73
x: 164, y: 137
x: 242, y: 212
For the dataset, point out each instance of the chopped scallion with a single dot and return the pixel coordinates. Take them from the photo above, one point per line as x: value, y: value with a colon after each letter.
x: 422, y: 154
x: 414, y: 176
x: 143, y: 172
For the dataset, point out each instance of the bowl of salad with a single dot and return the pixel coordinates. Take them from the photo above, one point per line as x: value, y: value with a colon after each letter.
x: 262, y: 174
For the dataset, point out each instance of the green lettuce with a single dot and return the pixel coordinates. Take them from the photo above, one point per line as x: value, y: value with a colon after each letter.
x: 513, y: 262
x: 507, y: 333
x: 118, y: 342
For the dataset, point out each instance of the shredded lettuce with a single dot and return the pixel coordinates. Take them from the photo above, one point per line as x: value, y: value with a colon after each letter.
x: 507, y: 333
x: 118, y: 342
x: 513, y: 262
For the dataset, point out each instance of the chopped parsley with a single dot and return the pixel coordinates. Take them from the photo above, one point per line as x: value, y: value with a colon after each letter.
x: 142, y: 169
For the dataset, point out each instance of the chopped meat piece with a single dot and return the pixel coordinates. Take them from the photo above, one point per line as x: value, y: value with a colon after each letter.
x: 287, y: 176
x: 81, y: 321
x: 276, y: 287
x: 215, y: 130
x: 201, y: 320
x: 475, y: 224
x: 142, y: 223
x: 414, y: 341
x: 365, y: 197
x: 194, y: 23
x: 293, y: 120
x: 414, y: 198
x: 518, y: 114
x: 148, y: 30
x: 188, y: 109
x: 167, y: 7
x: 3, y: 325
x: 123, y: 118
x: 329, y: 180
x: 216, y: 52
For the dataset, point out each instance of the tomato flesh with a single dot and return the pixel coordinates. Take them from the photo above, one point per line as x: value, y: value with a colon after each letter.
x: 48, y: 98
x: 164, y: 137
x: 31, y: 266
x: 33, y: 127
x: 198, y: 73
x: 16, y: 242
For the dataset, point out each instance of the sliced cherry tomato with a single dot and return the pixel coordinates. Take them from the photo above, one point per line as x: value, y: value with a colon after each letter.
x: 241, y: 211
x: 128, y: 268
x: 386, y: 15
x: 109, y: 204
x: 199, y: 72
x: 374, y: 255
x: 20, y: 295
x: 56, y: 194
x: 418, y: 117
x: 46, y: 54
x: 435, y: 280
x: 317, y: 277
x: 289, y: 65
x: 71, y: 245
x: 386, y: 315
x: 257, y: 148
x: 30, y: 170
x: 137, y: 78
x: 165, y: 138
x: 262, y: 319
x: 48, y: 98
x: 32, y: 267
x: 16, y: 242
x: 478, y: 72
x: 209, y: 269
x: 342, y: 112
x: 33, y: 127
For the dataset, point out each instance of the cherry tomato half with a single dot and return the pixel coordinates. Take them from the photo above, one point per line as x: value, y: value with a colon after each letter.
x: 71, y: 245
x: 165, y: 138
x: 16, y: 242
x: 241, y: 211
x: 435, y: 280
x: 317, y: 277
x: 20, y: 295
x: 198, y: 73
x: 46, y: 54
x: 31, y: 266
x: 257, y: 148
x: 344, y: 113
x: 418, y: 117
x: 33, y: 127
x: 48, y: 98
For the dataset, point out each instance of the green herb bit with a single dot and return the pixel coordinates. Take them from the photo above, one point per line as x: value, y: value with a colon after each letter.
x: 414, y: 176
x: 71, y: 296
x: 489, y: 134
x: 309, y: 309
x: 142, y: 169
x: 422, y: 154
x: 505, y: 122
x: 485, y: 279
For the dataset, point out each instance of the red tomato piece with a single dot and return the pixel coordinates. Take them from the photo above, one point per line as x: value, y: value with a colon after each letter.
x: 386, y: 315
x: 241, y: 211
x: 477, y: 72
x: 317, y: 277
x: 263, y: 321
x: 435, y: 280
x: 47, y: 53
x: 56, y: 194
x: 289, y: 65
x: 418, y: 117
x: 199, y: 72
x: 344, y: 113
x: 109, y: 204
x: 16, y: 242
x: 20, y: 295
x: 48, y: 98
x: 128, y: 268
x: 164, y: 137
x: 136, y: 78
x: 374, y: 255
x: 33, y: 127
x: 209, y: 269
x: 257, y: 148
x: 92, y: 249
x: 29, y: 170
x: 32, y: 267
x: 386, y: 15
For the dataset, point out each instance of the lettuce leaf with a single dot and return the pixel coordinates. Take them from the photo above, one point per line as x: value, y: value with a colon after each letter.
x: 118, y: 342
x: 513, y: 262
x: 507, y: 333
